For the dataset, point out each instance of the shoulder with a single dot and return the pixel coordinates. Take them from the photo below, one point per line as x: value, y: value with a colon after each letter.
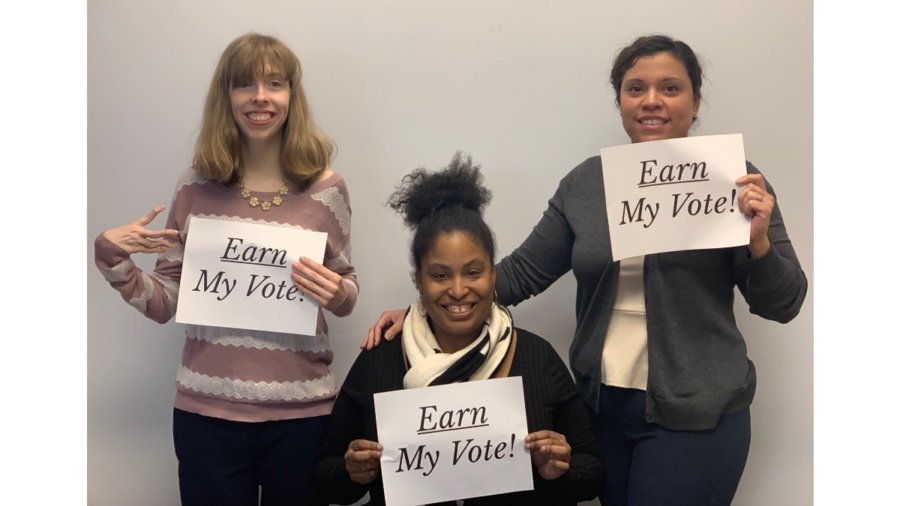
x: 590, y: 167
x: 379, y: 369
x: 328, y: 178
x: 190, y: 186
x: 325, y: 174
x: 584, y: 176
x: 528, y: 336
x: 386, y: 353
x: 329, y: 182
x: 533, y: 344
x: 190, y: 177
x: 537, y: 359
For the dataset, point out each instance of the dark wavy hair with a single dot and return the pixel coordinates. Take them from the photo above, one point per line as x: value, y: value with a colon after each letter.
x: 443, y: 202
x: 650, y: 45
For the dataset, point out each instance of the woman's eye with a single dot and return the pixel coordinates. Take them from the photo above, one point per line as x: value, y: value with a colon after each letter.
x: 439, y: 276
x: 671, y: 88
x: 275, y: 83
x: 633, y: 89
x: 474, y: 274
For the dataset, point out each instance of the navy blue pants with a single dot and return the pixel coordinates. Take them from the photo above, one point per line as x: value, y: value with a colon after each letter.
x: 224, y: 463
x: 648, y: 465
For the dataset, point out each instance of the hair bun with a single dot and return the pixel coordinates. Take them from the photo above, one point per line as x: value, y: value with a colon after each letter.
x: 422, y: 194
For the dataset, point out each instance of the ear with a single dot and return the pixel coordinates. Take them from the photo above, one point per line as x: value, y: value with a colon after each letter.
x: 696, y: 107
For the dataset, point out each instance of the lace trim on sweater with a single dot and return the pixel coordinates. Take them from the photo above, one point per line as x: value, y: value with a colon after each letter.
x: 118, y: 272
x: 257, y: 390
x: 260, y: 340
x: 333, y: 199
x: 121, y: 272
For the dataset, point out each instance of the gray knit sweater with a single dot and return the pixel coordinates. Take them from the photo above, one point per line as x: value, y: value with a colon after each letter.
x: 698, y: 365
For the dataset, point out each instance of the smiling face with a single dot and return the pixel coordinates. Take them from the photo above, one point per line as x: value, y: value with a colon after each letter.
x: 260, y: 106
x: 656, y: 99
x: 456, y: 285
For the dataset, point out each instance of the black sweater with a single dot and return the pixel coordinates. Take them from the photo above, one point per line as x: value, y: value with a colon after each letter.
x: 551, y: 402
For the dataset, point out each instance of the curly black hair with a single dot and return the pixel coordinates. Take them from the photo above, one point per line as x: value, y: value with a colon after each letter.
x: 442, y: 202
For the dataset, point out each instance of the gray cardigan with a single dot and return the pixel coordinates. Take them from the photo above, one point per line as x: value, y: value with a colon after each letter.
x: 698, y: 365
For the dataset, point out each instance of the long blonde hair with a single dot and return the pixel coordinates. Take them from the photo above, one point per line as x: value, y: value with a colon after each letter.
x: 305, y: 150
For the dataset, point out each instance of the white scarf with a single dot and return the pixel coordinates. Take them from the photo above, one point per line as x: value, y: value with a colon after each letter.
x: 428, y: 363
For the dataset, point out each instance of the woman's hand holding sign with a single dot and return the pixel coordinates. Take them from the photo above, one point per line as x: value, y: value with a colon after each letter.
x: 362, y: 460
x: 136, y: 238
x: 758, y: 204
x: 319, y: 283
x: 550, y: 453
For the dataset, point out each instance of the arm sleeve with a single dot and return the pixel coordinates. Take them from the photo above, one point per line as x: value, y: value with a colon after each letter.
x: 543, y: 258
x: 586, y: 473
x: 773, y: 285
x: 333, y: 483
x: 337, y: 251
x: 154, y: 294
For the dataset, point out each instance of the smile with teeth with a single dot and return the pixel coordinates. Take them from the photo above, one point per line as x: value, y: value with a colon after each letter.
x: 652, y: 121
x: 459, y: 308
x: 259, y: 116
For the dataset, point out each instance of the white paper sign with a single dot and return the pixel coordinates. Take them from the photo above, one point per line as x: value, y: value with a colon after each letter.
x: 676, y: 194
x: 239, y: 275
x: 453, y: 441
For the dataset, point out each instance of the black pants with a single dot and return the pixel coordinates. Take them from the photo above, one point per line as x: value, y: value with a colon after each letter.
x: 225, y: 463
x: 649, y: 465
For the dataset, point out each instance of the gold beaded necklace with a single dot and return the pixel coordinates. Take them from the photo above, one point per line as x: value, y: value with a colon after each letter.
x: 265, y: 204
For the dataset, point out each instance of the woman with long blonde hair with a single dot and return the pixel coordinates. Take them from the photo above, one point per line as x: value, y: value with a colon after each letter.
x: 249, y: 405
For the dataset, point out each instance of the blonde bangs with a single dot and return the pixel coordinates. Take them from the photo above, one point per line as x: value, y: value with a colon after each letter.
x: 259, y: 56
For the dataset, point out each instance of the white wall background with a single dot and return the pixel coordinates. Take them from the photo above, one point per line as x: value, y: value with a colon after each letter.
x: 521, y: 85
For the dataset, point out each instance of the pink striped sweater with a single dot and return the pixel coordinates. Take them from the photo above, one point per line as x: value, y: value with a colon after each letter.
x: 236, y: 374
